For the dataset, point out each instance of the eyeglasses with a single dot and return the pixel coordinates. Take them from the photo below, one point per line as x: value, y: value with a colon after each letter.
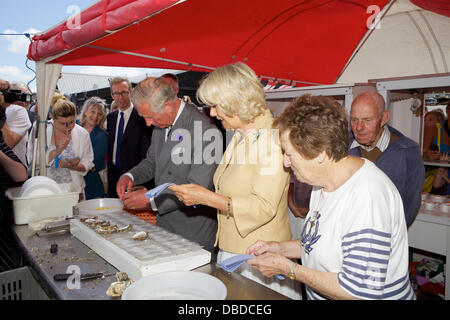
x: 122, y: 93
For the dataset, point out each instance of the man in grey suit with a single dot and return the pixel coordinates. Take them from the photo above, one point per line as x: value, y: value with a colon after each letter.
x: 185, y: 148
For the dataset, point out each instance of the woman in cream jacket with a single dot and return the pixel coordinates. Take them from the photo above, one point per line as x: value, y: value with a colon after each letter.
x: 250, y: 182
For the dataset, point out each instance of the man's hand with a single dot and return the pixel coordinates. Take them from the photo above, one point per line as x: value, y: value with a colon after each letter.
x: 123, y: 185
x: 136, y: 200
x: 4, y: 85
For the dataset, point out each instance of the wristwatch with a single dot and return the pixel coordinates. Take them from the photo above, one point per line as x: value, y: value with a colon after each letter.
x: 291, y: 273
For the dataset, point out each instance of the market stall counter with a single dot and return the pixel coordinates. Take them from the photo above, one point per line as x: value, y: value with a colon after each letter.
x: 61, y: 253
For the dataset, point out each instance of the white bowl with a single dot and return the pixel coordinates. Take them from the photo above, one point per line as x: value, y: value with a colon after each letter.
x: 176, y: 285
x: 99, y: 206
x: 39, y: 186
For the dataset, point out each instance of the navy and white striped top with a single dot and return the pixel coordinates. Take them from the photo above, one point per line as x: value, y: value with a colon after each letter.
x: 359, y: 232
x: 5, y: 180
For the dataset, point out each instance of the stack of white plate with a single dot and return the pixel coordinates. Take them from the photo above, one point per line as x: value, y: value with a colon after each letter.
x: 39, y: 186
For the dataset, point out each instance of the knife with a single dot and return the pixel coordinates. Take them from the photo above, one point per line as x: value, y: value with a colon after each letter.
x: 83, y: 276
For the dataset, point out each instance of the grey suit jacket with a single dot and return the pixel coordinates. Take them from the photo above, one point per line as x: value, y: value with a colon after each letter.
x: 190, y: 155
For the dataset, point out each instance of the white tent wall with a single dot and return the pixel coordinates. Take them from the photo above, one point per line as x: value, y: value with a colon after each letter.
x: 401, y: 116
x: 410, y: 41
x: 46, y: 78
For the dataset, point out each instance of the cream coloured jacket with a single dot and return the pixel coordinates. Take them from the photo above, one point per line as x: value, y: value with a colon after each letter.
x: 251, y: 173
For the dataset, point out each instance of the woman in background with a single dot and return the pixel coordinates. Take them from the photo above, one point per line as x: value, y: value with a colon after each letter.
x: 92, y: 118
x: 436, y: 146
x: 436, y: 134
x: 69, y: 154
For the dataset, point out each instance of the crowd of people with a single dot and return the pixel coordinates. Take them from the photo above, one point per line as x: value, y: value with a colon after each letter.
x: 357, y: 190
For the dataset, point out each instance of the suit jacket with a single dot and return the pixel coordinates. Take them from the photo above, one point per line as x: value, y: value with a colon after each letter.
x: 181, y: 160
x: 135, y: 142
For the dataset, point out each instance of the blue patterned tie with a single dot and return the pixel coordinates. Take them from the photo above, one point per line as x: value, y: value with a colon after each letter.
x: 119, y: 141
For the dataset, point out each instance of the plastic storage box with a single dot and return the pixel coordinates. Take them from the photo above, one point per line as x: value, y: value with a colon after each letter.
x: 19, y: 284
x: 27, y: 210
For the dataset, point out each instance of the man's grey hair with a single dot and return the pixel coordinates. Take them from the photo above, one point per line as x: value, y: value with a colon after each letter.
x: 154, y: 91
x: 172, y: 78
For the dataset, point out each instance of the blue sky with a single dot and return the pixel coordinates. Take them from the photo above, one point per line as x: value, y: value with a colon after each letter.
x: 31, y: 16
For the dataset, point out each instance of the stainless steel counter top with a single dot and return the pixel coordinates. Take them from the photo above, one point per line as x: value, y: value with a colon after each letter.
x: 74, y: 254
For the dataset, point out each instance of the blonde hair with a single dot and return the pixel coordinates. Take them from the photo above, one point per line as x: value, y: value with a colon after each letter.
x: 119, y: 80
x: 101, y: 106
x: 62, y: 107
x: 235, y: 89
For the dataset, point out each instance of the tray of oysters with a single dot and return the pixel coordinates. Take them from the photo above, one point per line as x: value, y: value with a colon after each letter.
x: 102, y: 226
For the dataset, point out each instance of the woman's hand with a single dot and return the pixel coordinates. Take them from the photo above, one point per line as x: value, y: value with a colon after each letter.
x: 261, y: 247
x: 432, y: 154
x: 71, y: 164
x: 190, y: 194
x: 270, y: 264
x: 62, y: 143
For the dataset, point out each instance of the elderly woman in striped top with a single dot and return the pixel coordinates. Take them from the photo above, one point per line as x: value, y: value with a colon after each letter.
x: 354, y: 243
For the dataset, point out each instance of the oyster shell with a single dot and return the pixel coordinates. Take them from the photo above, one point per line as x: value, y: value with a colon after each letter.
x: 126, y: 228
x: 106, y: 230
x: 140, y: 236
x: 116, y: 289
x: 122, y: 276
x: 95, y: 221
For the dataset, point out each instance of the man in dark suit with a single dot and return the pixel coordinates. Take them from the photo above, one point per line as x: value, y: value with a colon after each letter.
x: 128, y: 136
x: 186, y: 148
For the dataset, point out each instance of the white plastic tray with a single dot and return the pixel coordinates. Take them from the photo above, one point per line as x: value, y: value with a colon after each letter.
x: 163, y: 251
x: 29, y: 209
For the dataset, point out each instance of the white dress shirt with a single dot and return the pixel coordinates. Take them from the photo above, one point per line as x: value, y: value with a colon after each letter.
x: 382, y: 143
